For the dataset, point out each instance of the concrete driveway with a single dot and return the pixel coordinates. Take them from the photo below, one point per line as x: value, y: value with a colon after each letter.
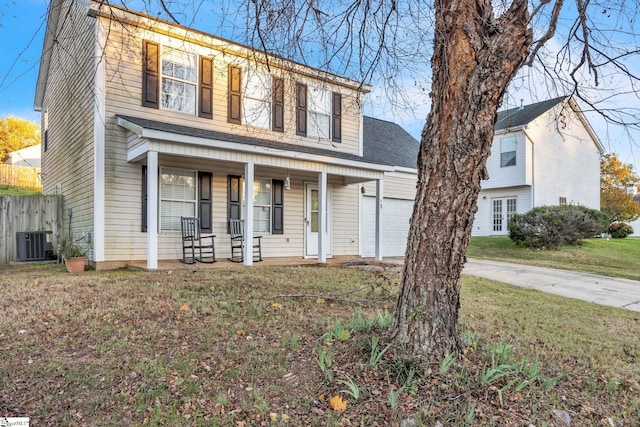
x: 604, y: 290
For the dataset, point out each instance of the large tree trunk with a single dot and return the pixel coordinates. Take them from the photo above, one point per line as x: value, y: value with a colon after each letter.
x: 475, y: 57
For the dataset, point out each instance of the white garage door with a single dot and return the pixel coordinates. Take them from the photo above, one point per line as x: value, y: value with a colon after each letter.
x: 396, y: 215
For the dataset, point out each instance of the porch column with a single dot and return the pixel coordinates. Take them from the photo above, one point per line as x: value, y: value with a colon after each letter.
x: 379, y: 199
x: 152, y: 210
x: 322, y: 217
x: 247, y: 251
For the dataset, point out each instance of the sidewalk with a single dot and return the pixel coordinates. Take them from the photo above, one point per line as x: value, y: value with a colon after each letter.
x: 604, y: 290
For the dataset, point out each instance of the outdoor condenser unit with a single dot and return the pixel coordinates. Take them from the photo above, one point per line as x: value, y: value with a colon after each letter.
x: 34, y: 245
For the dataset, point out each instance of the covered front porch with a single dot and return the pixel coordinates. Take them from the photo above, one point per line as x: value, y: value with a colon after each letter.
x: 319, y: 208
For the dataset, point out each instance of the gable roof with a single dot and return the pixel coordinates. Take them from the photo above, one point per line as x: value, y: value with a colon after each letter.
x: 389, y: 144
x: 520, y: 116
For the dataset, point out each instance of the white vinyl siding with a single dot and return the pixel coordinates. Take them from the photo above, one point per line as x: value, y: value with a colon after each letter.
x: 68, y: 104
x: 178, y: 197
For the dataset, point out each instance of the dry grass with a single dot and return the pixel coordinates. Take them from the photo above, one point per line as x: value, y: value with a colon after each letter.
x: 241, y: 346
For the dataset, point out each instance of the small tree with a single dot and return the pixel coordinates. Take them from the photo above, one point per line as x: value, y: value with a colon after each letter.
x: 17, y: 133
x: 616, y: 180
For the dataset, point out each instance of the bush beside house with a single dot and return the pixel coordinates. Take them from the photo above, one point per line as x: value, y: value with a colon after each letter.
x: 554, y: 226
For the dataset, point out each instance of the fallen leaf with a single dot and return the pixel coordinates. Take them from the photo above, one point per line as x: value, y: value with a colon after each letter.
x: 337, y: 404
x: 185, y: 307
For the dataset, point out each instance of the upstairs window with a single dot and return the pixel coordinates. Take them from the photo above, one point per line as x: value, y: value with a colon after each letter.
x: 318, y: 113
x: 176, y: 80
x: 508, y: 151
x: 179, y: 80
x: 256, y: 102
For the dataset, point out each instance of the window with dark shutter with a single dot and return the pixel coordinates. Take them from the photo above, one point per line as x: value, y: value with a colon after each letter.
x: 234, y: 203
x: 278, y: 105
x: 204, y: 201
x: 301, y: 109
x: 150, y: 74
x: 205, y: 88
x: 277, y: 226
x: 143, y: 199
x: 336, y: 117
x: 235, y: 82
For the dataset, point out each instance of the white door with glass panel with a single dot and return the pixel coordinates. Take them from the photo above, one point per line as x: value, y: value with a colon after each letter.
x: 502, y: 211
x: 311, y: 221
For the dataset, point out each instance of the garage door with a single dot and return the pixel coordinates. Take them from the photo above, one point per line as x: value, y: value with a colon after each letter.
x: 396, y: 215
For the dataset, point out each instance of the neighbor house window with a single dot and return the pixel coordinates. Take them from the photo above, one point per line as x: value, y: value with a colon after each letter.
x: 508, y: 151
x: 268, y: 203
x: 178, y: 197
x: 179, y: 80
x: 562, y: 201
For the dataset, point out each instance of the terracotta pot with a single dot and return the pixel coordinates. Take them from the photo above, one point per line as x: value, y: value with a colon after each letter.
x: 76, y: 264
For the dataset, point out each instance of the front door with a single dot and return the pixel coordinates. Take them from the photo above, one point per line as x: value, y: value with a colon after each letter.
x: 503, y: 210
x: 311, y: 214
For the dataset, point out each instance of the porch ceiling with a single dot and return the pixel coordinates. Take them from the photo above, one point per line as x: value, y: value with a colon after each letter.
x: 181, y: 140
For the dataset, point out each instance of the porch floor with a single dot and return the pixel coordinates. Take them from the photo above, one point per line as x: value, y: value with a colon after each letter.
x: 284, y: 261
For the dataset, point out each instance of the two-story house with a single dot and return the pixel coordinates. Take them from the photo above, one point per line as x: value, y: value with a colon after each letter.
x: 542, y: 154
x: 144, y: 121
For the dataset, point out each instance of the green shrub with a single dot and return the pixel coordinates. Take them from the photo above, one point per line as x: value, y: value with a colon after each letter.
x: 620, y: 230
x: 555, y: 226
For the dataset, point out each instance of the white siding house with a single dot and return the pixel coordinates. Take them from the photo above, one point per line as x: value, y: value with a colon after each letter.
x: 542, y: 154
x: 145, y: 121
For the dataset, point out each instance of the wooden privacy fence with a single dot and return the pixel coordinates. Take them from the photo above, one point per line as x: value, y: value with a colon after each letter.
x: 20, y: 176
x: 27, y: 213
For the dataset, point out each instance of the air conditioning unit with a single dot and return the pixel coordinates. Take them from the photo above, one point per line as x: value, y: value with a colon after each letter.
x: 34, y: 245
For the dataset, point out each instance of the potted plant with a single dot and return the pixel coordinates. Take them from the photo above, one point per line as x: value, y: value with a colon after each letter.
x: 75, y: 258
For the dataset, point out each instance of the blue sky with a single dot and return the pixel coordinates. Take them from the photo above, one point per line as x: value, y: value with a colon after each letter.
x: 22, y: 32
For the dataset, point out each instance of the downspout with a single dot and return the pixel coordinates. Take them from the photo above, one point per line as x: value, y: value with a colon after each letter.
x: 533, y: 167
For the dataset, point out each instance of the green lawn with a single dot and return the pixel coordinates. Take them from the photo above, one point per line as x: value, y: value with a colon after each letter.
x: 613, y: 257
x: 8, y: 190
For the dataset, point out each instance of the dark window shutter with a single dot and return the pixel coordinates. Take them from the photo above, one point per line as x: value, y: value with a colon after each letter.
x: 46, y: 140
x: 234, y: 95
x: 278, y: 105
x: 205, y: 88
x: 337, y: 117
x: 143, y: 199
x: 301, y: 109
x: 204, y: 201
x: 278, y: 207
x: 150, y: 74
x: 234, y: 203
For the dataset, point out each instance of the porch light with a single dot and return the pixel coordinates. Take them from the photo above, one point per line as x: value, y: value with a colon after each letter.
x: 287, y: 182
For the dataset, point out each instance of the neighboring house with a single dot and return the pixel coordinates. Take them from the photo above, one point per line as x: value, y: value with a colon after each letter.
x: 144, y: 121
x: 542, y: 154
x: 28, y: 156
